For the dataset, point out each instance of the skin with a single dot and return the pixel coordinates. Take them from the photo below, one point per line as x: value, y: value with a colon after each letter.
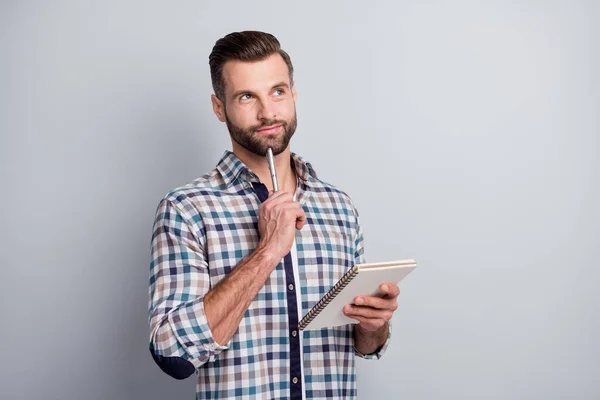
x: 259, y: 105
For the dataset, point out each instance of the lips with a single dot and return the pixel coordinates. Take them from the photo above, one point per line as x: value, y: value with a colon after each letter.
x: 269, y: 129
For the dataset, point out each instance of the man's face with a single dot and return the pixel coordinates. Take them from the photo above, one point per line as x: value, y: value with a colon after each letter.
x: 259, y: 107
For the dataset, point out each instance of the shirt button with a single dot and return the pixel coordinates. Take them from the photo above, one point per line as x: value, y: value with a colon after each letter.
x: 291, y: 287
x: 294, y: 333
x: 295, y: 380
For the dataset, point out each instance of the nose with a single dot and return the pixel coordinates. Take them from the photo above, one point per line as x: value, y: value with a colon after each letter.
x: 266, y: 110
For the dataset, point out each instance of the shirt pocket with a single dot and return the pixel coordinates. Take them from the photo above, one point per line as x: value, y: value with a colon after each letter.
x: 324, y: 257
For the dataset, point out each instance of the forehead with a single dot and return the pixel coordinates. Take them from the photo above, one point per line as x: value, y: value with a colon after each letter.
x: 254, y: 75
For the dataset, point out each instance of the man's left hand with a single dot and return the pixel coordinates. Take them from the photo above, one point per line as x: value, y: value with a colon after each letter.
x: 372, y: 313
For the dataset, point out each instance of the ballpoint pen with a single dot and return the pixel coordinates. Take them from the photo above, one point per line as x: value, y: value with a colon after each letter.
x: 271, y: 162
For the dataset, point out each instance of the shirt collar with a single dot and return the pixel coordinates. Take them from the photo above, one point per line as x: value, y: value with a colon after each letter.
x: 231, y: 167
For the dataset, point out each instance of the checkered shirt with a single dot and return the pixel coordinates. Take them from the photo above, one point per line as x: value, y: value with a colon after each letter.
x: 204, y: 229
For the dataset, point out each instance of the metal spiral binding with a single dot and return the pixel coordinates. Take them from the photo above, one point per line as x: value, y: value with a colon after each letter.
x: 333, y: 292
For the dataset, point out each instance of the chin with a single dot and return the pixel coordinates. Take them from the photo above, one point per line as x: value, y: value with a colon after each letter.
x: 274, y: 143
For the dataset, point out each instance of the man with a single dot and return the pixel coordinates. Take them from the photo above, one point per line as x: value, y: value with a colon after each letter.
x: 236, y: 265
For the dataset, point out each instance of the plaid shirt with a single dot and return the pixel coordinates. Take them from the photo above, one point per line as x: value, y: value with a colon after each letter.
x: 204, y: 229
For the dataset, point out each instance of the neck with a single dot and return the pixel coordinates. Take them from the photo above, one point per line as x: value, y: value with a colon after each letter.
x: 286, y: 177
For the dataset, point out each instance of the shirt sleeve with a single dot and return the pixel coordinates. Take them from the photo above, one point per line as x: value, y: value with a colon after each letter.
x: 180, y: 338
x: 359, y: 258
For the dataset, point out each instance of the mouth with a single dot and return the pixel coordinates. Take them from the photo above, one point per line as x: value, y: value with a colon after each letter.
x: 269, y: 130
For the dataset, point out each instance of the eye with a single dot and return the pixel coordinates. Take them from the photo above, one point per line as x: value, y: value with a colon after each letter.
x: 246, y: 96
x: 278, y: 92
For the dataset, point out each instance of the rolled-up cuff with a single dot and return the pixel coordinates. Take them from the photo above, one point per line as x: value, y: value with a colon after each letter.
x: 191, y: 329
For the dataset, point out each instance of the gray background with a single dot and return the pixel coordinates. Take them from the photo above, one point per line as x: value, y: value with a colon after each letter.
x: 466, y: 132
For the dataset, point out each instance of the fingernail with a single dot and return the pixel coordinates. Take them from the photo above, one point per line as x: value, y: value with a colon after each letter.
x: 348, y: 308
x: 359, y: 301
x: 384, y: 288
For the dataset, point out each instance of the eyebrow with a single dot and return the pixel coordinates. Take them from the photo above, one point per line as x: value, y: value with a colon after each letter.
x: 277, y: 85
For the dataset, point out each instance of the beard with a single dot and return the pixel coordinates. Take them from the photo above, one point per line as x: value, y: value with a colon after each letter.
x: 258, y: 143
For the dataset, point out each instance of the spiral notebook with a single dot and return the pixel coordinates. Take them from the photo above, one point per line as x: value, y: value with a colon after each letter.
x: 362, y: 279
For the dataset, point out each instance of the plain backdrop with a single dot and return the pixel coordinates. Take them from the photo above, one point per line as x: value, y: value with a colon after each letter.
x: 467, y: 133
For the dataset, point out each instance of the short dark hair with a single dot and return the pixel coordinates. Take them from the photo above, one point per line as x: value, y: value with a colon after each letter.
x: 243, y: 46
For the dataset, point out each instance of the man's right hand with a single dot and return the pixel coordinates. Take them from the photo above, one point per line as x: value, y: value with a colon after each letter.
x: 225, y: 304
x: 278, y: 218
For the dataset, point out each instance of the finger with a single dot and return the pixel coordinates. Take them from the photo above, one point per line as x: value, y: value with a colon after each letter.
x: 349, y: 313
x: 273, y: 194
x: 389, y: 289
x: 377, y: 302
x: 369, y: 324
x: 367, y: 312
x: 300, y: 219
x: 295, y: 211
x: 278, y: 198
x: 290, y: 206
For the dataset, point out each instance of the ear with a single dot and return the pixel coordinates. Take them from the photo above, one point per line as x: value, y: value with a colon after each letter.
x: 218, y: 107
x: 294, y: 93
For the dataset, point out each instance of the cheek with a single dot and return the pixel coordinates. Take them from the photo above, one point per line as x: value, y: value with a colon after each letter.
x: 242, y: 116
x: 286, y: 110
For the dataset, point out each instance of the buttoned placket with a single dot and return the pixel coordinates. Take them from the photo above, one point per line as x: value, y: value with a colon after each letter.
x: 296, y: 390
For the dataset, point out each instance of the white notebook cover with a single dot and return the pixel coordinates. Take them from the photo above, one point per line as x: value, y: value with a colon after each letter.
x: 366, y: 283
